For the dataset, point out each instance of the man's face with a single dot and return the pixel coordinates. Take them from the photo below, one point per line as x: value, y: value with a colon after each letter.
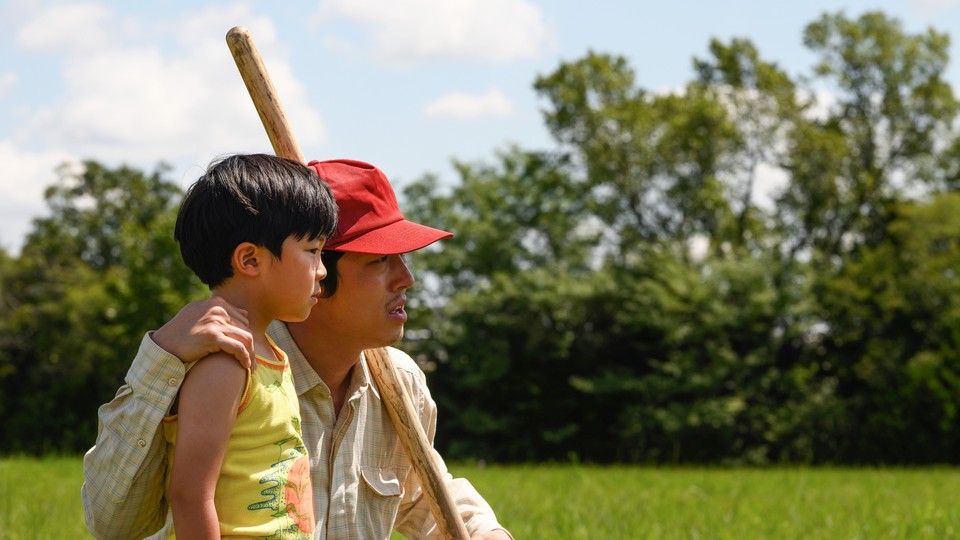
x: 367, y: 309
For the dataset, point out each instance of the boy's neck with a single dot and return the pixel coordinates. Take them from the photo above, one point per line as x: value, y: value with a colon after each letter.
x: 256, y: 322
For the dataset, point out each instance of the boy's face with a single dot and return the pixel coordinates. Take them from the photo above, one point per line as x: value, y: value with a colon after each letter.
x: 367, y: 309
x: 294, y: 279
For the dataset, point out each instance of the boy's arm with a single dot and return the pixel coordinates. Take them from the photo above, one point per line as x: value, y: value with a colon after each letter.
x: 209, y: 399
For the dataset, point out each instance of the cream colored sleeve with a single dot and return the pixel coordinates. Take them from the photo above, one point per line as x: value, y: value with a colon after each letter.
x: 123, y: 475
x: 414, y: 519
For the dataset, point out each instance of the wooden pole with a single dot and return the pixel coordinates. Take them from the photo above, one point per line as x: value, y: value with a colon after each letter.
x: 263, y: 94
x: 399, y: 407
x: 414, y: 439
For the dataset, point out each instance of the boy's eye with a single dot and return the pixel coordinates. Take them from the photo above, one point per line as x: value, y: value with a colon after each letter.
x: 316, y: 247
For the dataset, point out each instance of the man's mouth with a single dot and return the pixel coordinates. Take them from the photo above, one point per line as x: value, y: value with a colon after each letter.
x: 398, y: 306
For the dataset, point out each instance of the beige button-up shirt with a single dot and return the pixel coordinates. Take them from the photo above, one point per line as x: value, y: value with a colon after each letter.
x: 363, y: 485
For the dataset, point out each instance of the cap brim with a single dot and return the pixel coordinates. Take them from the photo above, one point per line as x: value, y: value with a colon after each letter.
x: 398, y: 237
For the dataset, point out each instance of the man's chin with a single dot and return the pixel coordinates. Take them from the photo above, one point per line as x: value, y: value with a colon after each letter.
x: 387, y: 341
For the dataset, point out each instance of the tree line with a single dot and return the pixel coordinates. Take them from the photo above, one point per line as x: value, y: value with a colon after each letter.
x: 622, y: 296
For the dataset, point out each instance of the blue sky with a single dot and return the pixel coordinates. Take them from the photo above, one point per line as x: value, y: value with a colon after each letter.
x: 407, y: 85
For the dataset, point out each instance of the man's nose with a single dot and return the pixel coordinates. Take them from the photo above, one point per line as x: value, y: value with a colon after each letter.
x: 403, y: 277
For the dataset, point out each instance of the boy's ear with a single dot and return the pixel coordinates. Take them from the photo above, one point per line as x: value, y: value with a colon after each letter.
x: 246, y: 259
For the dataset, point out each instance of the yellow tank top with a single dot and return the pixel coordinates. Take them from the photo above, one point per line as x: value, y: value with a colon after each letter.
x: 264, y: 487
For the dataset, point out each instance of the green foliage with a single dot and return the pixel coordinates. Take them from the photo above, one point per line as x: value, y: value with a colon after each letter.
x: 894, y: 343
x: 893, y: 108
x: 91, y: 279
x: 623, y: 298
x: 644, y: 175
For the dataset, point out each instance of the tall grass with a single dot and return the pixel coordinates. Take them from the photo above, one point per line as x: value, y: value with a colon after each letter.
x: 41, y: 499
x: 631, y: 502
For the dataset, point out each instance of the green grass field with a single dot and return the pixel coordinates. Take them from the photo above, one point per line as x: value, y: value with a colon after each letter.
x: 41, y: 499
x: 633, y: 502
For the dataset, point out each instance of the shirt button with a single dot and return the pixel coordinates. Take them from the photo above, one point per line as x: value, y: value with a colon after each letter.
x: 141, y: 443
x: 173, y: 381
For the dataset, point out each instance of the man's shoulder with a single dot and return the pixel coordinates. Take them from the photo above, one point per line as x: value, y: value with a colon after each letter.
x: 410, y: 375
x: 403, y: 361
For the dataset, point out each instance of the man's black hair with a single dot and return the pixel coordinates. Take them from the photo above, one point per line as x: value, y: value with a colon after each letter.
x: 256, y: 198
x: 328, y: 285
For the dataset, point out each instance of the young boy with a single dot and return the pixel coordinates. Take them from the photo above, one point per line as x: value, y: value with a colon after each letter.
x: 251, y: 229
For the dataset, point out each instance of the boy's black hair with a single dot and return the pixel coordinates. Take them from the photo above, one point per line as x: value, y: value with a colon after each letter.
x: 256, y: 198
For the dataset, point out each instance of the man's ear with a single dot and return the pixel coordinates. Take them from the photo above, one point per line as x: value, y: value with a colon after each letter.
x: 246, y: 259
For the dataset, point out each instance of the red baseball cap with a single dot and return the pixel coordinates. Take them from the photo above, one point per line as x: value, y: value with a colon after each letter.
x: 369, y: 219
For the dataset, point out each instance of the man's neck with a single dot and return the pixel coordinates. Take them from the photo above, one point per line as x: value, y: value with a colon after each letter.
x: 332, y: 359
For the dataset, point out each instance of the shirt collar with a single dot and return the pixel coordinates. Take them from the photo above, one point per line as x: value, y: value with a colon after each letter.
x: 304, y: 376
x: 364, y: 373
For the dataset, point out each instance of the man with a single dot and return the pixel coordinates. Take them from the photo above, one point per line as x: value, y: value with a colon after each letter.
x: 362, y: 480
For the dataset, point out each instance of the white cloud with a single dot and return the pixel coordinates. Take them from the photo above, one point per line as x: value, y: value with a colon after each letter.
x: 698, y: 246
x: 141, y: 100
x: 66, y: 27
x: 461, y: 105
x: 823, y: 103
x: 7, y: 81
x: 124, y: 103
x: 932, y: 7
x: 25, y: 176
x: 422, y: 30
x: 771, y: 180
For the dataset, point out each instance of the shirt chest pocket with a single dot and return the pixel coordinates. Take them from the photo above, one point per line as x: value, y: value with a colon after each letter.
x: 381, y: 489
x: 384, y: 481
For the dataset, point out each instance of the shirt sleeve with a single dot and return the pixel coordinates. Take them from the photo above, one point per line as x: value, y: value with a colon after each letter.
x: 124, y: 474
x: 414, y: 519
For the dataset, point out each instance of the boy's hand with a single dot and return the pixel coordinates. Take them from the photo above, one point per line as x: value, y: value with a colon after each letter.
x: 205, y: 327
